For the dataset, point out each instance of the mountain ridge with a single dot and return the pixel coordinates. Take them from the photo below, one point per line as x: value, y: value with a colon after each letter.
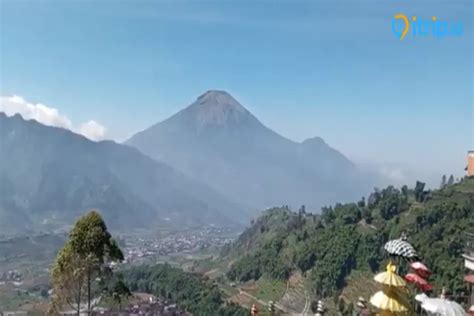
x: 52, y: 173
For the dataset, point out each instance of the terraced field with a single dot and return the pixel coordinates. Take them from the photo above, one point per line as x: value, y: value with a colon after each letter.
x: 295, y: 299
x: 359, y: 284
x: 246, y: 300
x: 266, y: 290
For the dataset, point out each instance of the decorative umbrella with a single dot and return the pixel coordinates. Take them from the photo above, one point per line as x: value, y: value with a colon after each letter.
x: 401, y: 248
x: 361, y: 303
x: 390, y: 299
x: 426, y: 288
x: 320, y: 309
x: 420, y: 269
x: 440, y: 306
x: 417, y: 280
x: 254, y: 310
x: 389, y: 277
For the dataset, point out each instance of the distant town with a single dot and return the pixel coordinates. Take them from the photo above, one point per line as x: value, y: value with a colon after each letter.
x: 139, y: 249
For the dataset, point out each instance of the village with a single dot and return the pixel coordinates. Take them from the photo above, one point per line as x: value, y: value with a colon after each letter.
x: 205, y: 240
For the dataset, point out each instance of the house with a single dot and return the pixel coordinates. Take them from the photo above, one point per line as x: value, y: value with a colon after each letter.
x: 470, y: 163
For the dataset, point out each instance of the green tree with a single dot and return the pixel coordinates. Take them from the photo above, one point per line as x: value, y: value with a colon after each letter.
x: 443, y: 181
x: 68, y: 281
x: 361, y: 202
x: 341, y: 306
x: 120, y: 292
x: 450, y: 180
x: 419, y: 187
x: 83, y: 259
x: 405, y: 192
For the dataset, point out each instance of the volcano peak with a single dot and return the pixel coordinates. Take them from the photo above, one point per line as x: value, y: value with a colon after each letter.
x: 218, y: 107
x: 219, y: 98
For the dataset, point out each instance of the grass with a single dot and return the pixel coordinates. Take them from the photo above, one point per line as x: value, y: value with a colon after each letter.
x: 268, y: 290
x: 13, y: 300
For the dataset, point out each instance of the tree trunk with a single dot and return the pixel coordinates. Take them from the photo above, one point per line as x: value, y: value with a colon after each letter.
x: 88, y: 293
x: 79, y: 302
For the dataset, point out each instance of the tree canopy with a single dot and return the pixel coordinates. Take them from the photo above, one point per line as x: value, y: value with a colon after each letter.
x: 191, y: 292
x: 83, y: 259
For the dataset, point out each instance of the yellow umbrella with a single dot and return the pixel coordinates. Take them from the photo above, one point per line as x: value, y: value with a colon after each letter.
x: 389, y: 277
x: 390, y: 299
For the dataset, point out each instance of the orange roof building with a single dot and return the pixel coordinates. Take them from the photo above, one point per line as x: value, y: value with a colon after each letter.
x: 470, y: 163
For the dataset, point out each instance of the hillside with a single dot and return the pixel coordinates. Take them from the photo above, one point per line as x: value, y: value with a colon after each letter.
x: 218, y: 141
x: 344, y: 244
x: 191, y: 292
x: 49, y: 176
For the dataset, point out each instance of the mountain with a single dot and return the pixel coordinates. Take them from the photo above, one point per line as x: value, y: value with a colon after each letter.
x: 49, y: 176
x: 219, y: 142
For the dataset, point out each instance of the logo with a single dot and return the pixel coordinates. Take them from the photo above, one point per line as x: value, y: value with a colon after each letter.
x: 419, y: 27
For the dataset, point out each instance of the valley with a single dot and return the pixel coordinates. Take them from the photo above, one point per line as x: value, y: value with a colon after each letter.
x: 25, y: 260
x: 290, y: 258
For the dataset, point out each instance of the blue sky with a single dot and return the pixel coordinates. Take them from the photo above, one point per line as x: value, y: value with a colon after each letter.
x: 305, y: 68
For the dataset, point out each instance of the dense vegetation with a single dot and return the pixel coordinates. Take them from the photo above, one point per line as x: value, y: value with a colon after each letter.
x: 189, y: 291
x: 348, y: 237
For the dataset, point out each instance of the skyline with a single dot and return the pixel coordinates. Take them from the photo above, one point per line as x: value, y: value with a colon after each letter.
x: 306, y: 69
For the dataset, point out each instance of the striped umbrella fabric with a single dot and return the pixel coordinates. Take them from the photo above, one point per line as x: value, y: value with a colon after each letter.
x: 401, y: 248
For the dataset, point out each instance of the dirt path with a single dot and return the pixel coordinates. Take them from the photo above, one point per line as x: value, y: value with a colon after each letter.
x: 210, y: 272
x: 307, y: 305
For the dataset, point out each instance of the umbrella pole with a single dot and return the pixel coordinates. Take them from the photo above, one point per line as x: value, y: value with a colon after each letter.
x: 470, y: 300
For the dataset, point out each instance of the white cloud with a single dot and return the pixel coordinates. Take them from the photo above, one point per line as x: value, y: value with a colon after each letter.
x: 395, y: 174
x: 92, y: 130
x: 46, y: 115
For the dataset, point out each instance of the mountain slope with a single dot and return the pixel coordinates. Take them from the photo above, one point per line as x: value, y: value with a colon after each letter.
x: 347, y: 240
x: 51, y: 175
x: 218, y: 141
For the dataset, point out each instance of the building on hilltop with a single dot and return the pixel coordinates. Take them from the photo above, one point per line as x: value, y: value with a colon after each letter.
x: 470, y: 163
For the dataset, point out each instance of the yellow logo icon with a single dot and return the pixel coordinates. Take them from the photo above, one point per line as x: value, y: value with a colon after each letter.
x: 396, y: 28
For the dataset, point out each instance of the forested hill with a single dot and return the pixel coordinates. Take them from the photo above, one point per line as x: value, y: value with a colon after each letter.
x: 191, y: 292
x: 327, y: 248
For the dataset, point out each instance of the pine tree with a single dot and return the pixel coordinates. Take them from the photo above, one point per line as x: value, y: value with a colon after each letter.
x: 450, y: 180
x: 443, y: 182
x: 419, y: 188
